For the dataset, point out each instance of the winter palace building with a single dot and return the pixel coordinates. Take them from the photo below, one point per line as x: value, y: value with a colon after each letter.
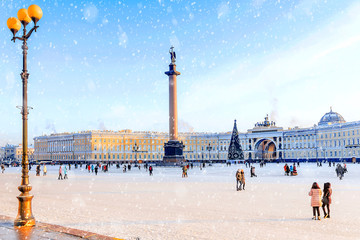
x: 331, y: 139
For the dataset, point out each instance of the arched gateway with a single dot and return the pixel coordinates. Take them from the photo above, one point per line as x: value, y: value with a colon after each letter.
x: 265, y: 149
x: 263, y: 142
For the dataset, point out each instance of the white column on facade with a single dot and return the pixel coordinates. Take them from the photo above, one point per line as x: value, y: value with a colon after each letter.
x: 278, y: 148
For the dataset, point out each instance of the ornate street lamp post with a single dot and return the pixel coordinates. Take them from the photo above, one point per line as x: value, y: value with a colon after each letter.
x: 34, y: 13
x: 209, y: 149
x: 136, y: 150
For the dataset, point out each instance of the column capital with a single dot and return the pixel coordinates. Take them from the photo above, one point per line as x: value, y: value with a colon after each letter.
x: 172, y: 70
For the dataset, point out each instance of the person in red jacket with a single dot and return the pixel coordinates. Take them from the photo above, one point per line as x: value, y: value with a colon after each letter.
x: 315, y: 194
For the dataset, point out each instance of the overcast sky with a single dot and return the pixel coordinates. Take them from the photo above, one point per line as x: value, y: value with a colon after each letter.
x: 100, y: 65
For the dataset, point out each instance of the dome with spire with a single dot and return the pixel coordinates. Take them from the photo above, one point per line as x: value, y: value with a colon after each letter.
x: 331, y: 118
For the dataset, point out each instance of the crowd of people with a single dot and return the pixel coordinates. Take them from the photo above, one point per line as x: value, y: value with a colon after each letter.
x: 319, y: 198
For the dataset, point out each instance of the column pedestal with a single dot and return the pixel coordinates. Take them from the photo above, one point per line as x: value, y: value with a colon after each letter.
x: 173, y: 153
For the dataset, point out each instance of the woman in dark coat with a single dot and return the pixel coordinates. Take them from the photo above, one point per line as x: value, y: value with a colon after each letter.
x: 327, y: 199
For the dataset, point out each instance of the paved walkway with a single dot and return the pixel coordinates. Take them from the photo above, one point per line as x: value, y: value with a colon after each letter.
x: 43, y: 231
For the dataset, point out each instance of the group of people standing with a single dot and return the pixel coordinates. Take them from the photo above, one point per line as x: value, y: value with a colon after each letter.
x: 90, y: 167
x: 38, y: 170
x: 240, y: 180
x: 61, y: 171
x: 184, y: 171
x: 290, y: 170
x: 340, y: 170
x: 320, y: 199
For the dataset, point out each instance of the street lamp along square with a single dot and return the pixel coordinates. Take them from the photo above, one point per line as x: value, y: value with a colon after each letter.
x: 24, y: 17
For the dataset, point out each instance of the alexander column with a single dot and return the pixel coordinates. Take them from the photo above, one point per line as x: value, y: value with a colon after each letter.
x: 173, y: 148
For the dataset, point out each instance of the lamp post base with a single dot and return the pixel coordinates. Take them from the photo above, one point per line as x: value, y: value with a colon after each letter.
x: 25, y: 217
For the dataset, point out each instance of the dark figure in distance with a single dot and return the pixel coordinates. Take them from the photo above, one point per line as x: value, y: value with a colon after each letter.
x: 252, y: 172
x: 38, y: 170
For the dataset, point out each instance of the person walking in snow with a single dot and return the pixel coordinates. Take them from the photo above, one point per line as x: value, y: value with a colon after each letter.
x: 242, y: 179
x: 96, y: 169
x: 340, y: 171
x: 184, y: 171
x: 44, y: 170
x: 38, y: 170
x: 294, y: 171
x: 151, y: 170
x: 65, y: 173
x: 252, y: 172
x: 60, y: 173
x: 315, y: 194
x: 238, y: 180
x: 2, y: 168
x: 326, y: 200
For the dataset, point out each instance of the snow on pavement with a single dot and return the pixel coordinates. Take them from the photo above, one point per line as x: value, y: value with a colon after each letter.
x: 205, y: 205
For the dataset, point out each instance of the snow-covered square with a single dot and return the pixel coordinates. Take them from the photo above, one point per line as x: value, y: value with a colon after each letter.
x: 205, y: 205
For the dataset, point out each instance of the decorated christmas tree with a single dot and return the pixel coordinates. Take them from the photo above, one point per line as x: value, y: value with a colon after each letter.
x: 235, y: 151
